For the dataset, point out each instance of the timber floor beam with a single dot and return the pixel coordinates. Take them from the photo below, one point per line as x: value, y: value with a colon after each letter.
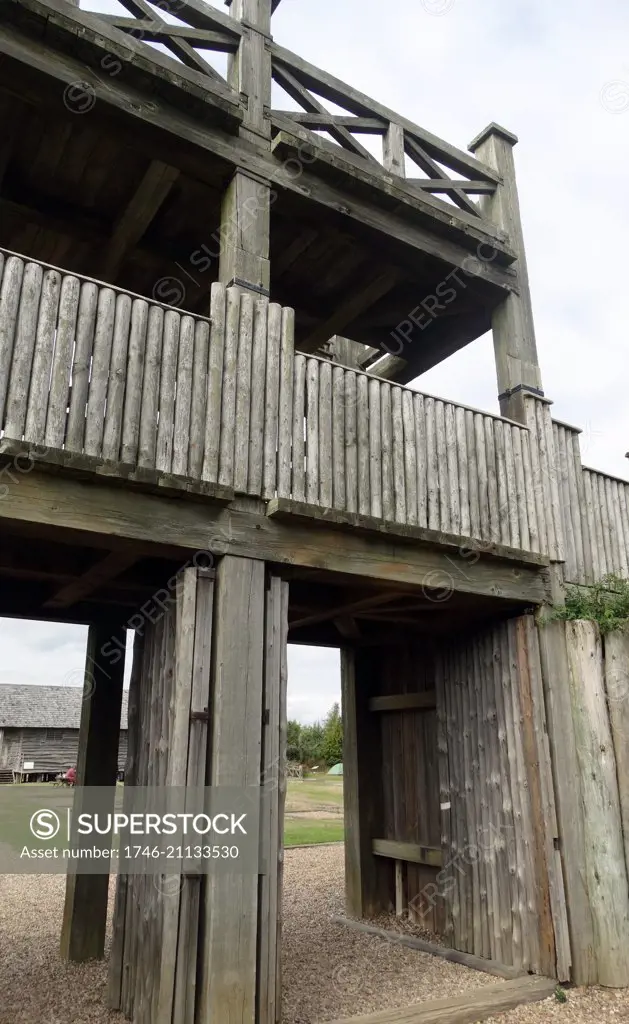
x: 102, y: 513
x: 464, y: 1009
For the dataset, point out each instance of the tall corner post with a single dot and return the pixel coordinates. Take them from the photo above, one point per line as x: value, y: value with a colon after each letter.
x: 246, y: 208
x: 85, y: 909
x: 517, y: 364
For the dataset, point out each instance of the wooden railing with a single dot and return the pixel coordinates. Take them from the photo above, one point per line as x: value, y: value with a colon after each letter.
x: 308, y: 86
x: 98, y: 371
x: 595, y: 509
x: 367, y: 446
x: 201, y: 29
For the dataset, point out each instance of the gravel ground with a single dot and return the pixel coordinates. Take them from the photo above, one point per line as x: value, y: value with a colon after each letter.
x: 329, y: 970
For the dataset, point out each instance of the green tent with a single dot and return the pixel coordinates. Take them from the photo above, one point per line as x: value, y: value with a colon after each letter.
x: 336, y: 769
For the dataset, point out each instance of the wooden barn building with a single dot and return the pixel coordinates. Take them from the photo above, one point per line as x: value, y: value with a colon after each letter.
x: 39, y: 731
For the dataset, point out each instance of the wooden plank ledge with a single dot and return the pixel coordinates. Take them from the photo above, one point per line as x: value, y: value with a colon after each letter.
x: 287, y: 509
x: 455, y: 956
x: 26, y: 456
x: 426, y: 701
x: 466, y: 1008
x: 411, y: 853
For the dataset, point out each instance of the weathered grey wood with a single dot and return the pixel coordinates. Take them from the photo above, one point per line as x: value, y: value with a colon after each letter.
x: 501, y: 481
x: 12, y: 276
x: 485, y: 1002
x: 99, y: 375
x: 551, y: 830
x: 422, y: 459
x: 604, y: 849
x: 85, y: 908
x: 414, y: 853
x: 61, y: 363
x: 135, y: 377
x: 454, y: 956
x: 393, y: 156
x: 472, y: 475
x: 338, y: 438
x: 375, y: 449
x: 271, y: 421
x: 228, y: 395
x: 617, y: 688
x: 554, y: 482
x: 215, y: 383
x: 147, y: 439
x: 454, y: 499
x: 243, y: 393
x: 537, y: 481
x: 298, y: 487
x: 112, y: 433
x: 526, y: 855
x: 561, y: 737
x: 520, y: 486
x: 442, y: 468
x: 462, y: 467
x: 312, y: 431
x: 183, y: 397
x: 230, y: 911
x: 473, y: 887
x: 445, y: 797
x: 386, y: 452
x: 351, y: 441
x: 482, y: 476
x: 325, y: 434
x: 168, y: 379
x: 516, y: 497
x: 492, y: 481
x: 18, y: 376
x: 529, y: 485
x: 198, y: 408
x: 186, y: 607
x: 363, y: 441
x: 35, y: 425
x: 404, y: 701
x: 409, y: 441
x: 432, y: 464
x: 137, y: 216
x: 512, y: 321
x: 451, y: 815
x: 285, y: 412
x: 81, y: 365
x: 399, y: 462
x: 258, y: 395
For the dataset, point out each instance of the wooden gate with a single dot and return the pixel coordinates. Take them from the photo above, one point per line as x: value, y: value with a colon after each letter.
x: 207, y: 706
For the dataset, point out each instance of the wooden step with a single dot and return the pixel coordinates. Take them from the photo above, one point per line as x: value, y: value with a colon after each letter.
x: 476, y: 1005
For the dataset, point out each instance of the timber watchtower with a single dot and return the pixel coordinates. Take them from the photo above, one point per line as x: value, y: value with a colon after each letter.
x: 209, y: 310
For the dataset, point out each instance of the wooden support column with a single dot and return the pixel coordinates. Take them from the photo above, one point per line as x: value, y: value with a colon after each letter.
x: 230, y: 912
x: 368, y: 879
x: 246, y: 210
x: 513, y: 328
x: 85, y: 910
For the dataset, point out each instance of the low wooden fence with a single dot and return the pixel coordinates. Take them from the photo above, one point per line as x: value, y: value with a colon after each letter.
x: 364, y: 445
x: 594, y: 511
x: 98, y: 371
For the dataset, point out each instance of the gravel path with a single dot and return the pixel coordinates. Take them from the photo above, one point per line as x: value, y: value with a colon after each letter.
x: 329, y: 971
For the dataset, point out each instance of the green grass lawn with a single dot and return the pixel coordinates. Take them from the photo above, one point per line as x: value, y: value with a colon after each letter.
x: 301, y: 833
x: 314, y: 811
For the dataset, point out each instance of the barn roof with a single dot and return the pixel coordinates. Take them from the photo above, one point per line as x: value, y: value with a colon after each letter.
x: 45, y: 707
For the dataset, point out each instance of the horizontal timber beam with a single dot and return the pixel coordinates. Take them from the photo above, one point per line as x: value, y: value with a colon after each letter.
x: 412, y: 853
x: 426, y: 701
x: 31, y: 64
x: 102, y: 512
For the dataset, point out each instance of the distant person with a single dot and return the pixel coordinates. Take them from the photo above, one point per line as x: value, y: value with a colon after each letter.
x: 70, y: 776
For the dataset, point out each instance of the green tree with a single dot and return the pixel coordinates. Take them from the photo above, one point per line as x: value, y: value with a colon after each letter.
x: 332, y: 745
x: 293, y: 740
x: 311, y: 744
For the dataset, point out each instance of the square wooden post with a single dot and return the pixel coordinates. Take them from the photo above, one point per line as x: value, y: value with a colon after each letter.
x: 513, y: 329
x: 368, y: 879
x: 85, y: 910
x: 246, y: 210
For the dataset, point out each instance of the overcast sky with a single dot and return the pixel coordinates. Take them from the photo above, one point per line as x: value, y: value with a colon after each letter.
x: 555, y: 74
